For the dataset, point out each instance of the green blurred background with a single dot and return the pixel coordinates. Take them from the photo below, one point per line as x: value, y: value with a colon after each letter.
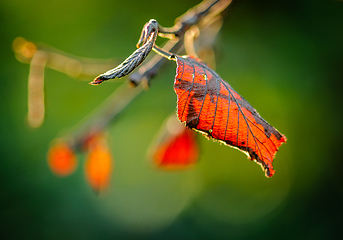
x: 284, y: 57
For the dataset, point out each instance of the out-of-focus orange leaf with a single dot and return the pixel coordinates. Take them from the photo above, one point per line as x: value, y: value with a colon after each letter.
x: 99, y: 166
x: 61, y: 159
x: 176, y: 148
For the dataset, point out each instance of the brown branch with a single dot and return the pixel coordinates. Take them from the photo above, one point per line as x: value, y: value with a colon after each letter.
x: 201, y: 14
x: 123, y: 96
x: 99, y: 118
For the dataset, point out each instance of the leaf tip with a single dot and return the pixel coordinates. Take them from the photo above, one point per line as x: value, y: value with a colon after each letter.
x: 98, y: 80
x: 269, y: 172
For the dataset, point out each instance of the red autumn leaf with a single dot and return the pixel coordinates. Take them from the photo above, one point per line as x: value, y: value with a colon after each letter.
x: 176, y: 148
x: 207, y: 103
x: 61, y: 159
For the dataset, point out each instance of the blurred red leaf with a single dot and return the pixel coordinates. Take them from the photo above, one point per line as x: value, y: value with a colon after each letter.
x: 176, y: 147
x: 207, y: 103
x: 61, y: 159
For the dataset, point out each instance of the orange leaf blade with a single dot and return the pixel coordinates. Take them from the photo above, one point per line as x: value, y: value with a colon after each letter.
x: 207, y: 103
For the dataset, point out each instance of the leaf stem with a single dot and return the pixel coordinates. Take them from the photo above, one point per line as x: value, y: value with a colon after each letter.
x: 163, y: 53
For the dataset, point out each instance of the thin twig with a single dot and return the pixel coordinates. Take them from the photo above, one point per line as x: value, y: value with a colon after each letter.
x: 74, y: 66
x: 123, y: 96
x: 196, y: 15
x: 120, y: 99
x: 36, y: 109
x: 99, y: 118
